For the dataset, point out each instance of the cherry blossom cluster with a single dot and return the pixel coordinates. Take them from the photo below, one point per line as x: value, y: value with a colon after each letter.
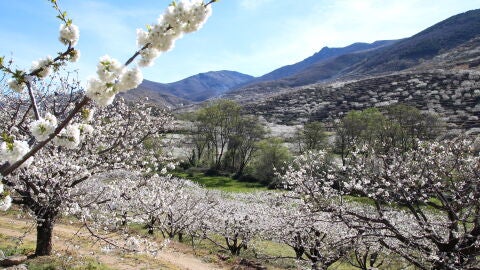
x: 310, y: 174
x: 13, y: 150
x: 69, y: 34
x: 186, y: 16
x: 112, y: 78
x: 43, y: 127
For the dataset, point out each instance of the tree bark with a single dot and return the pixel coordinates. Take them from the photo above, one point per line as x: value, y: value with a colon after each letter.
x: 44, y: 237
x: 180, y: 237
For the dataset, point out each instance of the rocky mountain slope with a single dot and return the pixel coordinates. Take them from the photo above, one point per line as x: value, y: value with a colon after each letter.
x: 454, y: 96
x: 465, y: 56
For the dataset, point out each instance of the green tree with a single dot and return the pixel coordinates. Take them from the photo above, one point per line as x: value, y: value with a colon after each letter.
x: 214, y: 126
x: 399, y: 127
x: 414, y: 124
x: 272, y: 157
x: 223, y: 137
x: 311, y: 137
x: 243, y: 143
x: 358, y: 127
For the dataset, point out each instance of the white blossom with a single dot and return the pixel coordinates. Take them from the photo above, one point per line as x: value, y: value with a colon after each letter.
x: 69, y: 34
x: 44, y: 65
x: 16, y: 86
x: 99, y: 91
x: 109, y: 69
x: 88, y: 114
x: 148, y: 56
x: 6, y: 203
x: 132, y: 243
x: 85, y: 129
x: 171, y: 166
x: 130, y: 79
x: 184, y: 17
x: 74, y: 56
x: 13, y: 152
x: 69, y: 137
x: 43, y: 127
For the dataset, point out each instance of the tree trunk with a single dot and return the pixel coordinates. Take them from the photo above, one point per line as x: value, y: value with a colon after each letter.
x: 299, y: 252
x: 180, y: 237
x: 44, y: 237
x: 151, y: 225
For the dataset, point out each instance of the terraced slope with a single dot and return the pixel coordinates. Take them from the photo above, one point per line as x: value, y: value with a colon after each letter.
x: 454, y: 96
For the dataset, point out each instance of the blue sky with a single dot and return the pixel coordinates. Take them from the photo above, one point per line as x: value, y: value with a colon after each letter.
x: 249, y: 36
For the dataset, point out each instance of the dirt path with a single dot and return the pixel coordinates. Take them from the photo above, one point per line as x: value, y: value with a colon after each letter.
x: 168, y: 258
x: 186, y: 261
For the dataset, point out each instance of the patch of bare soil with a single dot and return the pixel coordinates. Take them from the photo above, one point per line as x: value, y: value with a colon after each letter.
x: 69, y: 240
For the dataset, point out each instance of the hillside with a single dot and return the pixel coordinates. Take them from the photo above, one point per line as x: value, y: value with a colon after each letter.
x: 454, y: 96
x: 156, y: 93
x: 425, y: 45
x: 465, y: 56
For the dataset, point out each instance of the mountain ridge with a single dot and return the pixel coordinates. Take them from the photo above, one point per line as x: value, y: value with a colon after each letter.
x: 195, y: 88
x: 324, y: 54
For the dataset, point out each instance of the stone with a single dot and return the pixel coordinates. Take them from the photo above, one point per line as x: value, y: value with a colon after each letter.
x: 13, y: 260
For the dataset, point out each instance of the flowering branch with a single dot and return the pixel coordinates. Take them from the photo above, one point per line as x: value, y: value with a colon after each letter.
x: 40, y: 145
x: 33, y: 101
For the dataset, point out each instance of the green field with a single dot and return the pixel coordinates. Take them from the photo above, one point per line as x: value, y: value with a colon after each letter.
x: 222, y: 183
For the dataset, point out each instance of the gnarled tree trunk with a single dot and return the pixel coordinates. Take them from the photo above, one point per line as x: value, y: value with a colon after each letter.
x: 44, y: 234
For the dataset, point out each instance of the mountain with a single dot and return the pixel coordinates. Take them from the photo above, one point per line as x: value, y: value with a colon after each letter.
x: 156, y: 93
x: 196, y: 88
x: 450, y: 44
x: 396, y: 56
x: 323, y: 54
x: 203, y: 86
